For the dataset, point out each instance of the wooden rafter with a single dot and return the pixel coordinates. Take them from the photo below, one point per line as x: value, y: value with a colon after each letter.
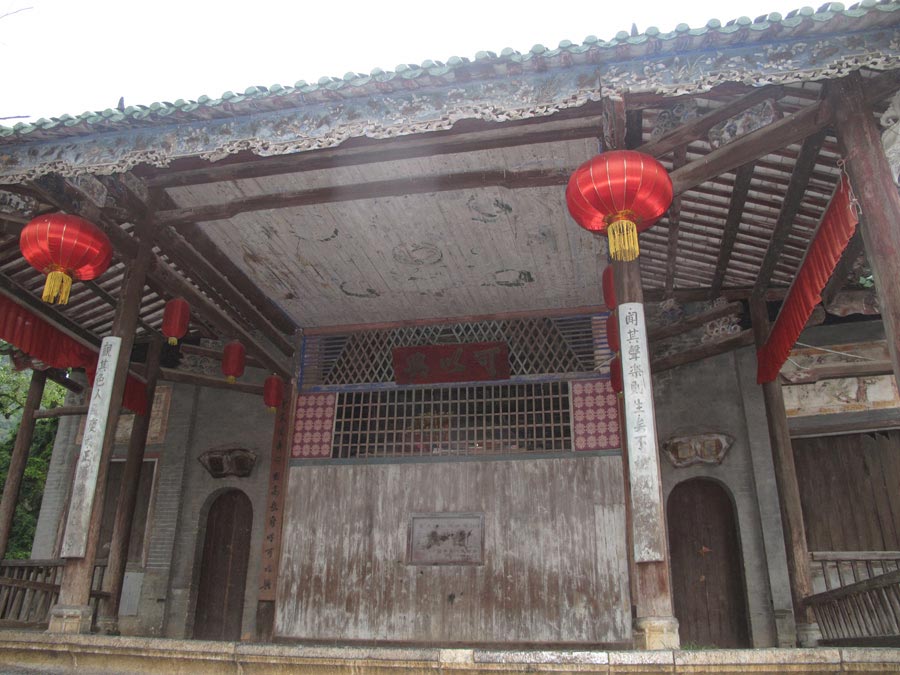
x: 791, y: 204
x: 845, y: 264
x: 741, y: 187
x: 674, y: 226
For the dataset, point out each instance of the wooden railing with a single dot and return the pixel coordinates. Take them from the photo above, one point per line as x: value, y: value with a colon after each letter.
x: 836, y: 569
x: 29, y: 588
x: 864, y: 612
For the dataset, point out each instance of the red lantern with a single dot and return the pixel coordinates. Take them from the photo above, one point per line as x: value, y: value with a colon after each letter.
x: 176, y: 318
x: 621, y: 192
x: 233, y: 361
x: 64, y: 248
x: 615, y: 375
x: 609, y: 288
x: 612, y: 332
x: 273, y: 392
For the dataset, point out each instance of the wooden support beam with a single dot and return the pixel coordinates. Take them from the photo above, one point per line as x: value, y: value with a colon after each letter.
x: 197, y: 380
x: 108, y: 609
x: 700, y: 294
x: 854, y: 249
x: 19, y: 458
x: 693, y: 321
x: 839, y: 370
x: 634, y: 128
x: 697, y: 128
x: 413, y: 147
x: 702, y: 351
x: 111, y: 301
x: 215, y: 354
x: 809, y: 153
x: 873, y: 186
x: 63, y: 380
x: 60, y: 411
x: 742, y: 180
x: 674, y: 226
x: 785, y: 477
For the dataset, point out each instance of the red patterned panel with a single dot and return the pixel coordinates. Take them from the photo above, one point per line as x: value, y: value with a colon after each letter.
x: 595, y: 416
x: 313, y: 425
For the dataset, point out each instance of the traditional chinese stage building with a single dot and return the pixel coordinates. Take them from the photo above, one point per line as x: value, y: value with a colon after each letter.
x: 489, y: 437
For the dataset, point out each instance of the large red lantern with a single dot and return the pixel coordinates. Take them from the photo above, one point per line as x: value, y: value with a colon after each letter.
x: 64, y: 248
x: 612, y: 332
x: 615, y: 375
x: 176, y: 319
x: 273, y: 392
x: 233, y: 361
x: 621, y: 192
x: 609, y: 288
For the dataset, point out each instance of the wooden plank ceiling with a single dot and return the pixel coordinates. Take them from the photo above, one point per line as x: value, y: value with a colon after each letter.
x: 465, y: 222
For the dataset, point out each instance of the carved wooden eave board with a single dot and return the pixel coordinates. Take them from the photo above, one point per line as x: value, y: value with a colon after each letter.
x: 437, y: 191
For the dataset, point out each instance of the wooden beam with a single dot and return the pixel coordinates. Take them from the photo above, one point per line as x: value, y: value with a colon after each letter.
x: 850, y: 255
x: 742, y: 180
x: 702, y: 351
x: 111, y: 301
x: 873, y: 186
x: 693, y: 321
x: 839, y: 370
x: 369, y: 190
x: 382, y: 151
x: 612, y: 123
x: 197, y: 380
x: 702, y: 293
x: 674, y: 226
x: 785, y: 477
x: 62, y: 379
x: 60, y: 411
x: 695, y: 129
x: 216, y: 354
x: 634, y: 128
x: 809, y: 153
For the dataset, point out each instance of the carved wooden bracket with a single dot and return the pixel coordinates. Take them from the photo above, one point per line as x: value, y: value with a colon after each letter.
x: 224, y: 462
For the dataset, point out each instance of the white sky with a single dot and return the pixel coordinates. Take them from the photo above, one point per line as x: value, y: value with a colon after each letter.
x: 69, y: 56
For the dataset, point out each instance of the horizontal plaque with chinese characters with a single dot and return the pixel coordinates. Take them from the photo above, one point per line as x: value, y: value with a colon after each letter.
x: 446, y: 539
x: 472, y: 362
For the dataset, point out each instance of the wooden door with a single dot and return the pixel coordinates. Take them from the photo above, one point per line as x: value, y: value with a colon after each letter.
x: 223, y: 569
x: 707, y: 575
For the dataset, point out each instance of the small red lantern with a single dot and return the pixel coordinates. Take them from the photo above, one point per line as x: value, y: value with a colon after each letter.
x: 609, y: 288
x: 64, y: 248
x: 615, y: 375
x: 233, y: 361
x: 612, y: 332
x: 176, y: 318
x: 273, y: 392
x: 621, y: 192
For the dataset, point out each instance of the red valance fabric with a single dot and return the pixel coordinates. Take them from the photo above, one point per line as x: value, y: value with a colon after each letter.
x: 835, y: 230
x: 37, y: 338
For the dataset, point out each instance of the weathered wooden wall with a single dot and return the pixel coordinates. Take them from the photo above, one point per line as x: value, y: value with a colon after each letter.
x: 554, y: 567
x: 850, y: 491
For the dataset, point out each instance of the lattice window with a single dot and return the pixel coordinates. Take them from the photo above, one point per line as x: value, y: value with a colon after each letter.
x: 490, y: 419
x: 537, y: 346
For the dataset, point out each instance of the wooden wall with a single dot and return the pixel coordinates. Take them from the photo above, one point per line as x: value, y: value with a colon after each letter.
x: 554, y: 567
x: 850, y: 491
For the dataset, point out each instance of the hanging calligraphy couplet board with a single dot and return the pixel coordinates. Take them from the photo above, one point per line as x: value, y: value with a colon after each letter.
x: 85, y: 483
x: 473, y: 362
x: 640, y: 430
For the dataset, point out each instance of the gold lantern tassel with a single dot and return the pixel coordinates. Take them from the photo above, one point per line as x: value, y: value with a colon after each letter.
x: 623, y: 240
x: 173, y: 341
x: 57, y: 287
x: 231, y: 379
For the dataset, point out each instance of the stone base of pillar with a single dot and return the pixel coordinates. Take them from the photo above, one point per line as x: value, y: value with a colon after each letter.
x: 108, y: 625
x: 656, y: 632
x: 70, y: 619
x: 808, y: 634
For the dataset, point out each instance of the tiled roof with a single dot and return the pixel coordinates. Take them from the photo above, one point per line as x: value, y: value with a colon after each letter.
x: 830, y: 18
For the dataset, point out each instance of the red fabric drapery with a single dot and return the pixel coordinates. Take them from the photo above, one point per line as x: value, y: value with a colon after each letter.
x: 835, y: 230
x: 37, y: 338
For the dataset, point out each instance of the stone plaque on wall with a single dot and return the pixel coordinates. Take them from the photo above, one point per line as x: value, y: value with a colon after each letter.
x: 446, y: 539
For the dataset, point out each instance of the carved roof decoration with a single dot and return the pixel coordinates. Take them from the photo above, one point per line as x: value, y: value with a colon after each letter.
x: 805, y: 45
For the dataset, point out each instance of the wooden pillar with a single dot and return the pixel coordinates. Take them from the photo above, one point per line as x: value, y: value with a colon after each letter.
x: 108, y: 611
x: 655, y: 623
x: 788, y: 490
x: 873, y: 186
x: 19, y: 458
x: 73, y: 613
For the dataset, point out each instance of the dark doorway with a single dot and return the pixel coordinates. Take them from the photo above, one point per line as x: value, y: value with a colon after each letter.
x: 223, y: 570
x: 707, y: 576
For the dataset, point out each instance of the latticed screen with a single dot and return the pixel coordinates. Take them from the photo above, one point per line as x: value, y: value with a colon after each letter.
x: 489, y: 419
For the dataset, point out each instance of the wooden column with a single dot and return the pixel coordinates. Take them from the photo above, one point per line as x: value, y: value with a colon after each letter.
x: 108, y: 612
x: 72, y: 614
x: 19, y: 458
x: 655, y: 625
x: 786, y: 481
x: 873, y: 185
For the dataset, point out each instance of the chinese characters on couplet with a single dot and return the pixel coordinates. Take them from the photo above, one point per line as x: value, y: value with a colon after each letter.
x: 430, y: 364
